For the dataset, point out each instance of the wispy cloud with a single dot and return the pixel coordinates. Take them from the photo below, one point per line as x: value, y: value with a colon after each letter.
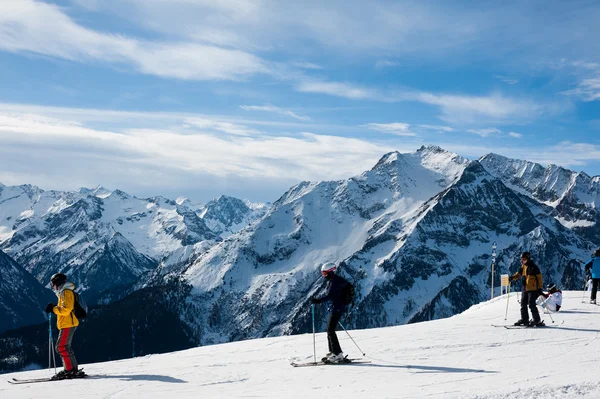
x: 588, y: 89
x: 197, y: 149
x: 277, y: 110
x: 455, y: 108
x: 396, y: 128
x: 492, y: 131
x: 485, y: 132
x: 495, y: 108
x: 306, y: 65
x: 35, y: 27
x: 338, y: 89
x: 507, y: 80
x: 220, y: 126
x: 438, y: 128
x: 386, y: 64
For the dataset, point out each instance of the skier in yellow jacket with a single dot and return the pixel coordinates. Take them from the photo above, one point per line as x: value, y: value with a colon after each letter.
x: 67, y: 324
x: 532, y: 288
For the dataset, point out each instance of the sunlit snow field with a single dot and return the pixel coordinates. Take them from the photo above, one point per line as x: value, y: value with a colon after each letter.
x: 460, y: 357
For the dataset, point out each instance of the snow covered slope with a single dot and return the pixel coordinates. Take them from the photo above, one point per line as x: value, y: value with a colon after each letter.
x: 458, y: 357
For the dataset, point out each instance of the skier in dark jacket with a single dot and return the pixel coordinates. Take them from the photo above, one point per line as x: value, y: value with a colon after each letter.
x: 594, y: 266
x: 335, y: 289
x: 532, y: 288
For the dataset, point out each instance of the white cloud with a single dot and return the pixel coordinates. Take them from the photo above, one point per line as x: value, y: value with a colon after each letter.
x: 386, y: 64
x: 395, y: 128
x: 306, y: 65
x: 495, y: 108
x: 277, y: 110
x: 515, y: 135
x: 41, y: 28
x: 507, y: 80
x: 181, y: 150
x: 219, y: 126
x: 457, y: 109
x: 437, y: 128
x: 588, y: 89
x: 485, y: 132
x: 338, y: 89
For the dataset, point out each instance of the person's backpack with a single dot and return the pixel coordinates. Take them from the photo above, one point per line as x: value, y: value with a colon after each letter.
x: 80, y: 309
x: 348, y: 294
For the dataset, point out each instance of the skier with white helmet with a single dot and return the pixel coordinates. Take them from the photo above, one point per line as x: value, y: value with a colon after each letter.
x: 336, y: 287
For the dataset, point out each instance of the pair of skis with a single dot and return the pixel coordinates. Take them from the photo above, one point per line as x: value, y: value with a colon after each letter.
x: 346, y: 360
x: 513, y: 327
x: 17, y: 381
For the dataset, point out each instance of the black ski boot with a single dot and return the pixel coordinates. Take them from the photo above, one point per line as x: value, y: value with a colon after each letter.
x: 76, y: 373
x: 539, y: 323
x: 61, y: 375
x: 522, y: 323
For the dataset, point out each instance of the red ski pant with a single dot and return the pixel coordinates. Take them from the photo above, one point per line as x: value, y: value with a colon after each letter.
x: 63, y: 348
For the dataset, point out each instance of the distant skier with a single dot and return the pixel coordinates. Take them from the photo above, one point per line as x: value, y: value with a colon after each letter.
x: 67, y: 324
x: 532, y: 288
x: 553, y: 299
x: 336, y: 286
x: 594, y: 266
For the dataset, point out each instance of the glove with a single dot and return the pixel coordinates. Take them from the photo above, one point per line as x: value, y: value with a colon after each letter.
x: 50, y: 307
x: 314, y: 300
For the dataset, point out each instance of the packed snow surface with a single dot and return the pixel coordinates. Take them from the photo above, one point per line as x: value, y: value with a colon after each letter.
x: 463, y: 356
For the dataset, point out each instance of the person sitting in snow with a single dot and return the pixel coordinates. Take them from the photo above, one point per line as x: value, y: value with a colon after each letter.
x: 334, y: 294
x: 593, y: 266
x: 532, y: 288
x: 553, y: 299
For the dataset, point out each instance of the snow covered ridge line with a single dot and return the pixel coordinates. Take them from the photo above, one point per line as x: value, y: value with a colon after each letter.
x: 99, y: 232
x: 430, y: 359
x: 413, y: 234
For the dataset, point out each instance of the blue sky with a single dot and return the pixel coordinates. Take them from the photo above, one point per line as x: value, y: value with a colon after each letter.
x: 200, y: 98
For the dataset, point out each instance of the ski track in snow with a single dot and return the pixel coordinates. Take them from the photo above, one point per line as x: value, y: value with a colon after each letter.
x: 459, y: 357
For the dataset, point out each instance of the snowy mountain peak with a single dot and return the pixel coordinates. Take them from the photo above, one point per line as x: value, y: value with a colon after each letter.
x: 99, y: 191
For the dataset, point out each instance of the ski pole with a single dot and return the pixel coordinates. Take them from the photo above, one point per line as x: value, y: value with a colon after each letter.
x: 507, y: 298
x: 340, y: 323
x: 313, y: 322
x: 51, y: 356
x: 585, y: 289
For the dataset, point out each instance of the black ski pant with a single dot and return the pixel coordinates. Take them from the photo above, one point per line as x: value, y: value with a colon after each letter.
x: 332, y: 339
x: 528, y: 299
x: 595, y: 282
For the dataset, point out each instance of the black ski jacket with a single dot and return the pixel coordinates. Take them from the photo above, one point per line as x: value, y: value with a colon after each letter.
x: 334, y: 293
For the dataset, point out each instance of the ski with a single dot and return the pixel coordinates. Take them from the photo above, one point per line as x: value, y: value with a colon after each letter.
x: 513, y: 327
x: 14, y: 381
x: 17, y: 381
x: 322, y: 363
x: 523, y: 327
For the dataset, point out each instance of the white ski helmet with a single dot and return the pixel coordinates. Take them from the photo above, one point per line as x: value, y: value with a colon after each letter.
x: 328, y: 267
